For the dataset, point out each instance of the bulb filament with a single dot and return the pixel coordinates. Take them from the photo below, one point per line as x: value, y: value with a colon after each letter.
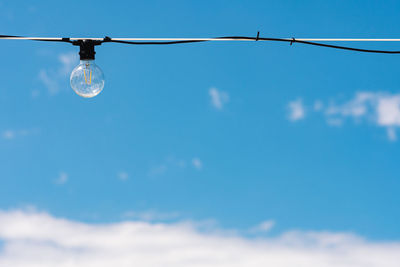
x: 90, y: 77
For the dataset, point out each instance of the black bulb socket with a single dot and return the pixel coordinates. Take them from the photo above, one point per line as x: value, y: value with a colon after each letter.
x: 86, y: 46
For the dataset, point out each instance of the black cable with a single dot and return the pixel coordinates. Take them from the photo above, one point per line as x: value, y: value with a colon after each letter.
x: 156, y: 43
x: 291, y: 41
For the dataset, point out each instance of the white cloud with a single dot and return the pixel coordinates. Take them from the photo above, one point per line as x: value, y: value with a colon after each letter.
x: 218, y: 98
x: 388, y: 110
x: 381, y: 109
x: 296, y: 110
x: 9, y: 134
x: 169, y: 163
x: 32, y: 239
x: 123, y: 176
x: 68, y: 62
x: 12, y: 134
x: 62, y: 178
x: 197, y: 163
x: 378, y: 108
x: 356, y: 107
x: 53, y: 78
x: 265, y: 226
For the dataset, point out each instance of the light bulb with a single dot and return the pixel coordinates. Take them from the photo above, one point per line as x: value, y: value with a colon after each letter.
x: 87, y: 79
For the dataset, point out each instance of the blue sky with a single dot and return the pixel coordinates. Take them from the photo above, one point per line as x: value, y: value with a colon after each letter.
x: 239, y: 133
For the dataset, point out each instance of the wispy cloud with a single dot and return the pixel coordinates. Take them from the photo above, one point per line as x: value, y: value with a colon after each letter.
x: 158, y: 170
x: 54, y: 78
x: 218, y: 98
x: 150, y: 215
x: 11, y: 134
x: 391, y: 133
x: 123, y: 175
x: 377, y: 108
x: 197, y: 163
x: 173, y: 163
x: 61, y: 179
x: 296, y: 110
x: 50, y: 80
x: 382, y: 109
x: 263, y: 227
x: 68, y: 62
x: 318, y: 105
x: 8, y: 134
x: 69, y: 243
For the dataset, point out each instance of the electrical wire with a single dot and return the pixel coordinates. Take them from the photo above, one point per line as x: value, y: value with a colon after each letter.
x: 171, y: 41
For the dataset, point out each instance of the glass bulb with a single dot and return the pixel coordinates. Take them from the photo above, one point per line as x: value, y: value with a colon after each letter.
x: 87, y: 79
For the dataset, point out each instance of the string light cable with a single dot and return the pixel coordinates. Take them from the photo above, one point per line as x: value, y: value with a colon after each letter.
x: 87, y: 79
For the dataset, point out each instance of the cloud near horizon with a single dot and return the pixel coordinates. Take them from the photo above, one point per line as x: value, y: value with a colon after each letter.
x: 32, y: 239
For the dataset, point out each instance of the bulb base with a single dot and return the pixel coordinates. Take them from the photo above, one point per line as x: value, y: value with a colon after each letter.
x: 87, y: 48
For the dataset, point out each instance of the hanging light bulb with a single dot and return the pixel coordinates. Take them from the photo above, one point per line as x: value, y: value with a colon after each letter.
x: 87, y: 79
